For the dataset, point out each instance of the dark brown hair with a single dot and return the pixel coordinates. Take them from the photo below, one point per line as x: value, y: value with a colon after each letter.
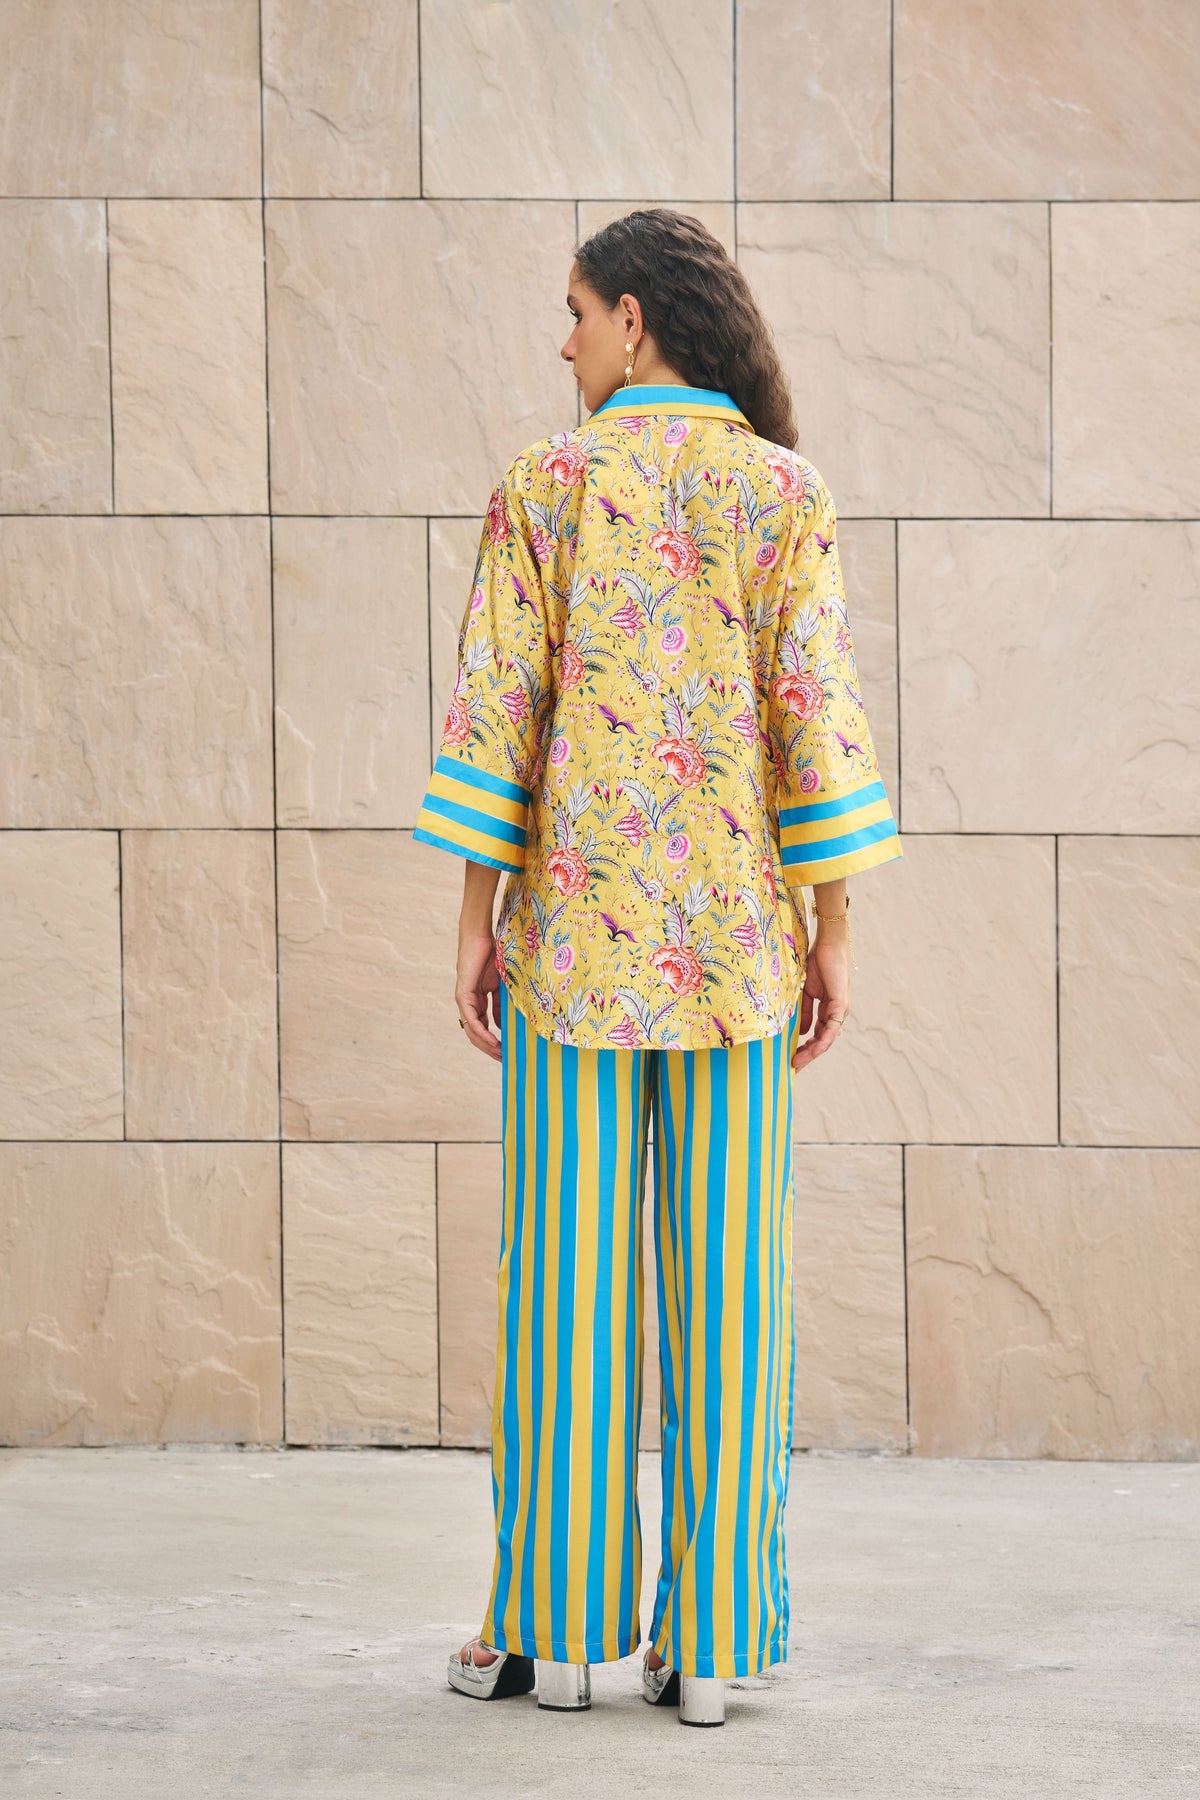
x: 698, y: 308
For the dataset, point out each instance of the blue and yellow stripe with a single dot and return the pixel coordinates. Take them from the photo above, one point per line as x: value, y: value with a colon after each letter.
x: 474, y: 813
x: 824, y: 838
x: 669, y: 397
x: 568, y: 1396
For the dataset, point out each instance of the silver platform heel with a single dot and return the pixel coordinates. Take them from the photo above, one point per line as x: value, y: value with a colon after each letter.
x: 507, y: 1674
x: 564, y: 1687
x: 701, y: 1700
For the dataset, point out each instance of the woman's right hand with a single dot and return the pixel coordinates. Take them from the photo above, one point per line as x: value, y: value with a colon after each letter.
x: 826, y: 990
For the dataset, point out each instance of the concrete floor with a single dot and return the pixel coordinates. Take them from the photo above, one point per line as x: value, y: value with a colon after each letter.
x: 197, y: 1621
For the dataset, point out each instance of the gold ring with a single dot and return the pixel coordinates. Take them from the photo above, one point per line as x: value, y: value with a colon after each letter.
x: 839, y: 1021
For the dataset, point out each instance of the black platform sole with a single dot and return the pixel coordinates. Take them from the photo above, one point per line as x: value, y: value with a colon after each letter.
x: 518, y: 1676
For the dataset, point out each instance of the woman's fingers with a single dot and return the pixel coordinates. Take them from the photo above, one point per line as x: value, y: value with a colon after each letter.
x: 830, y: 1020
x: 472, y: 1011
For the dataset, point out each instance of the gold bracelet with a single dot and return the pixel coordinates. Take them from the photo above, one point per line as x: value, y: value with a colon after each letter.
x: 831, y: 918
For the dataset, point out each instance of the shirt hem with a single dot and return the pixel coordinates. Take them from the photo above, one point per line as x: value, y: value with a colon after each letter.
x: 537, y: 1023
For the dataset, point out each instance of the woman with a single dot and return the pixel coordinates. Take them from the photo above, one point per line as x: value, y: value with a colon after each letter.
x: 656, y: 729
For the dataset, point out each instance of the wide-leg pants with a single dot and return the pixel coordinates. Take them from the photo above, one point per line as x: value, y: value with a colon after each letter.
x: 567, y: 1402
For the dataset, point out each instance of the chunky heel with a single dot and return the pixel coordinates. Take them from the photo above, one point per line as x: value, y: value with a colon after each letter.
x: 701, y: 1700
x: 564, y: 1687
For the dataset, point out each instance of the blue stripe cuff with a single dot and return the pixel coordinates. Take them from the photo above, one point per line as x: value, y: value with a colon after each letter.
x: 824, y: 848
x: 805, y: 814
x: 481, y: 778
x: 474, y: 819
x: 440, y: 843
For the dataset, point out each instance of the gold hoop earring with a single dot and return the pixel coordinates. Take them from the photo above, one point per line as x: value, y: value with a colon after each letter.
x: 628, y: 365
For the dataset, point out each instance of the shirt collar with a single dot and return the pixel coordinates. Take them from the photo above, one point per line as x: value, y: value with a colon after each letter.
x: 668, y: 397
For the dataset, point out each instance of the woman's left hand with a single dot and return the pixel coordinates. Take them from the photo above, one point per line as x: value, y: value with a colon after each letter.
x: 826, y: 981
x: 477, y: 977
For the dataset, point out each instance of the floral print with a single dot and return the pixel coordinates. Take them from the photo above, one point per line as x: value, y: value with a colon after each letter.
x: 657, y: 726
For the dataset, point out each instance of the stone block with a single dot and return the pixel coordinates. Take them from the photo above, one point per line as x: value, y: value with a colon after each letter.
x: 360, y: 1293
x: 929, y: 322
x: 188, y: 356
x: 368, y: 943
x: 139, y: 1294
x: 201, y: 1035
x: 1052, y: 1302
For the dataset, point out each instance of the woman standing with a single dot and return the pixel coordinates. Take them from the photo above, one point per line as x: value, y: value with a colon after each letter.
x: 657, y: 730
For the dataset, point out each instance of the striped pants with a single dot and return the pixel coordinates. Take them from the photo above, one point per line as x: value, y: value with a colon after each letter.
x: 567, y: 1404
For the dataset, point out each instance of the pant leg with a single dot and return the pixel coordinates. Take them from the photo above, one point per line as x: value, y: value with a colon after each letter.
x: 567, y: 1403
x: 723, y: 1233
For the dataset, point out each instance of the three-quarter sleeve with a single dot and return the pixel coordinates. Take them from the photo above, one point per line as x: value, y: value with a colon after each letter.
x: 833, y: 814
x: 476, y: 804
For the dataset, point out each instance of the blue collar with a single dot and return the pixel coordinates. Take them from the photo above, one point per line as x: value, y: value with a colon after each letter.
x: 668, y: 397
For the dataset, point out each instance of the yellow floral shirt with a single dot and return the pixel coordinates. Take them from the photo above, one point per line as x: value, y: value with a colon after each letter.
x: 656, y: 725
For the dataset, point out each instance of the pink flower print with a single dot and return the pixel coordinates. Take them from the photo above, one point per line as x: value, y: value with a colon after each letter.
x: 679, y: 968
x: 747, y: 936
x: 633, y: 827
x: 810, y: 780
x: 676, y: 431
x: 765, y: 555
x: 568, y: 871
x: 775, y: 965
x: 531, y: 937
x: 672, y: 640
x: 535, y: 774
x: 677, y: 551
x: 566, y: 462
x: 571, y: 669
x: 677, y: 846
x: 458, y: 723
x: 626, y: 1035
x: 841, y: 640
x: 629, y: 617
x: 476, y: 597
x: 497, y: 517
x: 787, y: 474
x: 767, y: 872
x: 746, y: 725
x: 563, y: 957
x: 801, y: 694
x: 543, y: 544
x: 682, y: 759
x: 516, y: 704
x: 632, y: 422
x: 560, y: 749
x: 735, y: 515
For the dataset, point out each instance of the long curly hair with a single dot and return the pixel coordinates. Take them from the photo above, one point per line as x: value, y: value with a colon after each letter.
x: 698, y: 308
